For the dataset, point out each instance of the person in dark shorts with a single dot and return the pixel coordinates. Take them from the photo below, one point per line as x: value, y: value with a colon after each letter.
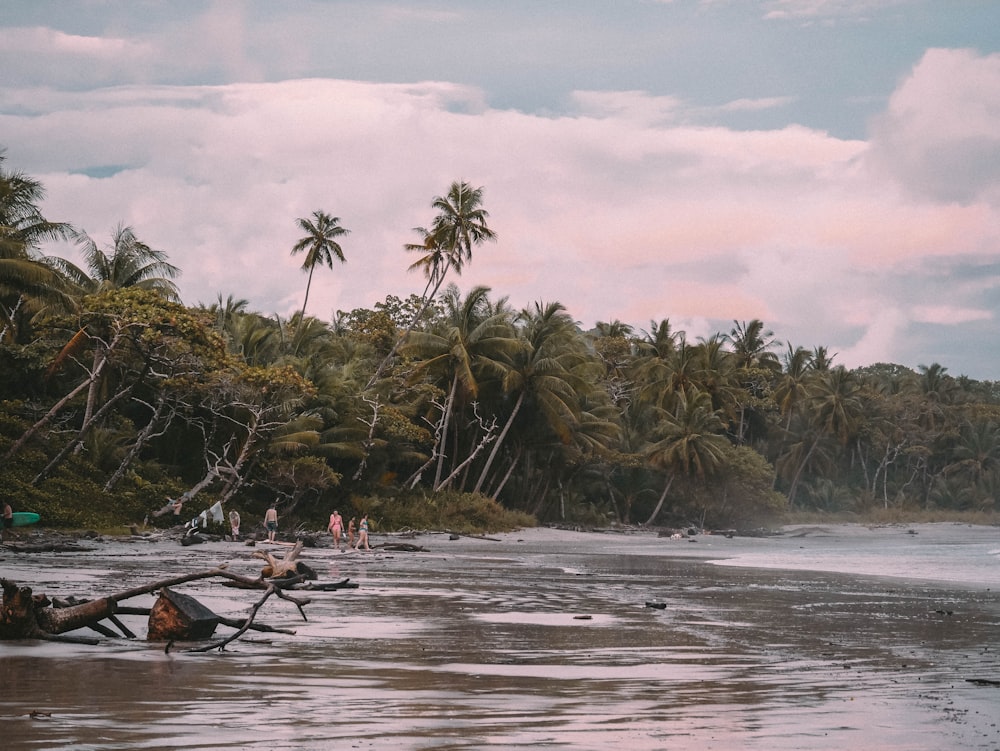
x: 271, y: 522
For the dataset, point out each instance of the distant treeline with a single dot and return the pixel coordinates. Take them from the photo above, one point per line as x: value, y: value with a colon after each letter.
x: 116, y: 395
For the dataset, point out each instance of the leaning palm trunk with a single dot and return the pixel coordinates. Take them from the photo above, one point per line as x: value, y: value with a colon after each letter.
x: 77, y: 441
x: 659, y: 504
x: 144, y: 436
x: 427, y: 298
x: 510, y: 471
x: 793, y: 488
x: 496, y: 446
x: 449, y: 402
x: 47, y: 417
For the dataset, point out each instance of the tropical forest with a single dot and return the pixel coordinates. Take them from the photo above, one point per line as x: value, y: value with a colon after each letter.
x: 448, y: 409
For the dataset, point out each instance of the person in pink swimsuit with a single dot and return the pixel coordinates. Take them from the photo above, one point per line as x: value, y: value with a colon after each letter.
x: 336, y: 527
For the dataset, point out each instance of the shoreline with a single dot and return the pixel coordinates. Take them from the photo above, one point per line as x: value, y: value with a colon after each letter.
x: 540, y: 638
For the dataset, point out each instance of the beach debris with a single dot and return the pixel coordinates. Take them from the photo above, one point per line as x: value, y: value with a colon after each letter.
x: 456, y: 535
x: 325, y: 586
x: 656, y: 605
x: 52, y: 546
x: 178, y: 616
x: 286, y: 566
x: 983, y: 681
x: 403, y: 547
x: 25, y: 615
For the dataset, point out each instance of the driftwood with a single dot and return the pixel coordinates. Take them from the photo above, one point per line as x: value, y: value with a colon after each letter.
x: 179, y: 616
x: 286, y: 566
x: 456, y: 535
x: 47, y: 547
x: 327, y: 586
x: 24, y: 615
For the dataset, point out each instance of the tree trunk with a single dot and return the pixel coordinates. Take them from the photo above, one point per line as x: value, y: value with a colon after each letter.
x: 144, y: 435
x: 446, y: 417
x: 179, y: 616
x: 27, y: 616
x: 496, y: 446
x: 57, y: 407
x: 659, y: 504
x: 798, y: 473
x: 510, y: 471
x: 89, y: 423
x: 427, y: 298
x: 276, y: 568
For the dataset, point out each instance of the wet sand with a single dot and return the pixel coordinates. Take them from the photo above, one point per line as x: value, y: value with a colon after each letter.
x: 542, y: 639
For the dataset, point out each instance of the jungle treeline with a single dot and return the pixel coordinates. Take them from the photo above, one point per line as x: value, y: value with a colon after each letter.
x: 114, y: 395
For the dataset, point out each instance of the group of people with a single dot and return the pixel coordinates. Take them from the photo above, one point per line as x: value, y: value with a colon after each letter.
x: 357, y: 536
x: 336, y: 528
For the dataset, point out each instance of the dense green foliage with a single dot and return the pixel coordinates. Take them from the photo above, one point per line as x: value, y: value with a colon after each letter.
x: 442, y: 407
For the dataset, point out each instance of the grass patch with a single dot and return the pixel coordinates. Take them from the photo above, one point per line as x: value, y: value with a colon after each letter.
x: 893, y: 516
x: 465, y: 513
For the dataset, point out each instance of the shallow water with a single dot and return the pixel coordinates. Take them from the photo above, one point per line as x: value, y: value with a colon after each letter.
x: 543, y: 640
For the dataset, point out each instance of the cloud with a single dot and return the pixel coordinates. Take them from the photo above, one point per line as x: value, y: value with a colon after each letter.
x: 940, y: 135
x: 43, y: 41
x: 949, y: 315
x: 623, y: 209
x: 826, y: 9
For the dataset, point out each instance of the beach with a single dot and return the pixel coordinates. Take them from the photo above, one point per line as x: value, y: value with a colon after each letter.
x: 822, y: 637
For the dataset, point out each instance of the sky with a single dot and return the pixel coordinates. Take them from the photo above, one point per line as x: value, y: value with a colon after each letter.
x: 830, y: 167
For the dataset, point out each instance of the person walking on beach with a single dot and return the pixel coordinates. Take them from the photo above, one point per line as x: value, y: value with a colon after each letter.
x: 336, y: 526
x: 8, y: 519
x: 271, y: 522
x: 234, y: 523
x: 363, y: 533
x: 350, y: 533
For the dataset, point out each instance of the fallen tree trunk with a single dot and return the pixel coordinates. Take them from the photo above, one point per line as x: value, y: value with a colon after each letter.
x: 24, y: 615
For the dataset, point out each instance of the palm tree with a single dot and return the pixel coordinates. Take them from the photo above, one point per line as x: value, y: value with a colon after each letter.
x: 822, y: 360
x: 126, y: 262
x: 690, y: 442
x: 24, y: 275
x: 834, y: 412
x: 459, y: 225
x: 792, y: 386
x: 752, y: 344
x: 476, y: 341
x: 541, y: 374
x: 320, y: 245
x: 660, y: 341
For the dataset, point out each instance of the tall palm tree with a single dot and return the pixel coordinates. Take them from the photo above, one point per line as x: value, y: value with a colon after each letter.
x: 320, y: 245
x: 660, y: 341
x: 459, y: 226
x: 460, y: 223
x: 822, y: 360
x: 834, y: 412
